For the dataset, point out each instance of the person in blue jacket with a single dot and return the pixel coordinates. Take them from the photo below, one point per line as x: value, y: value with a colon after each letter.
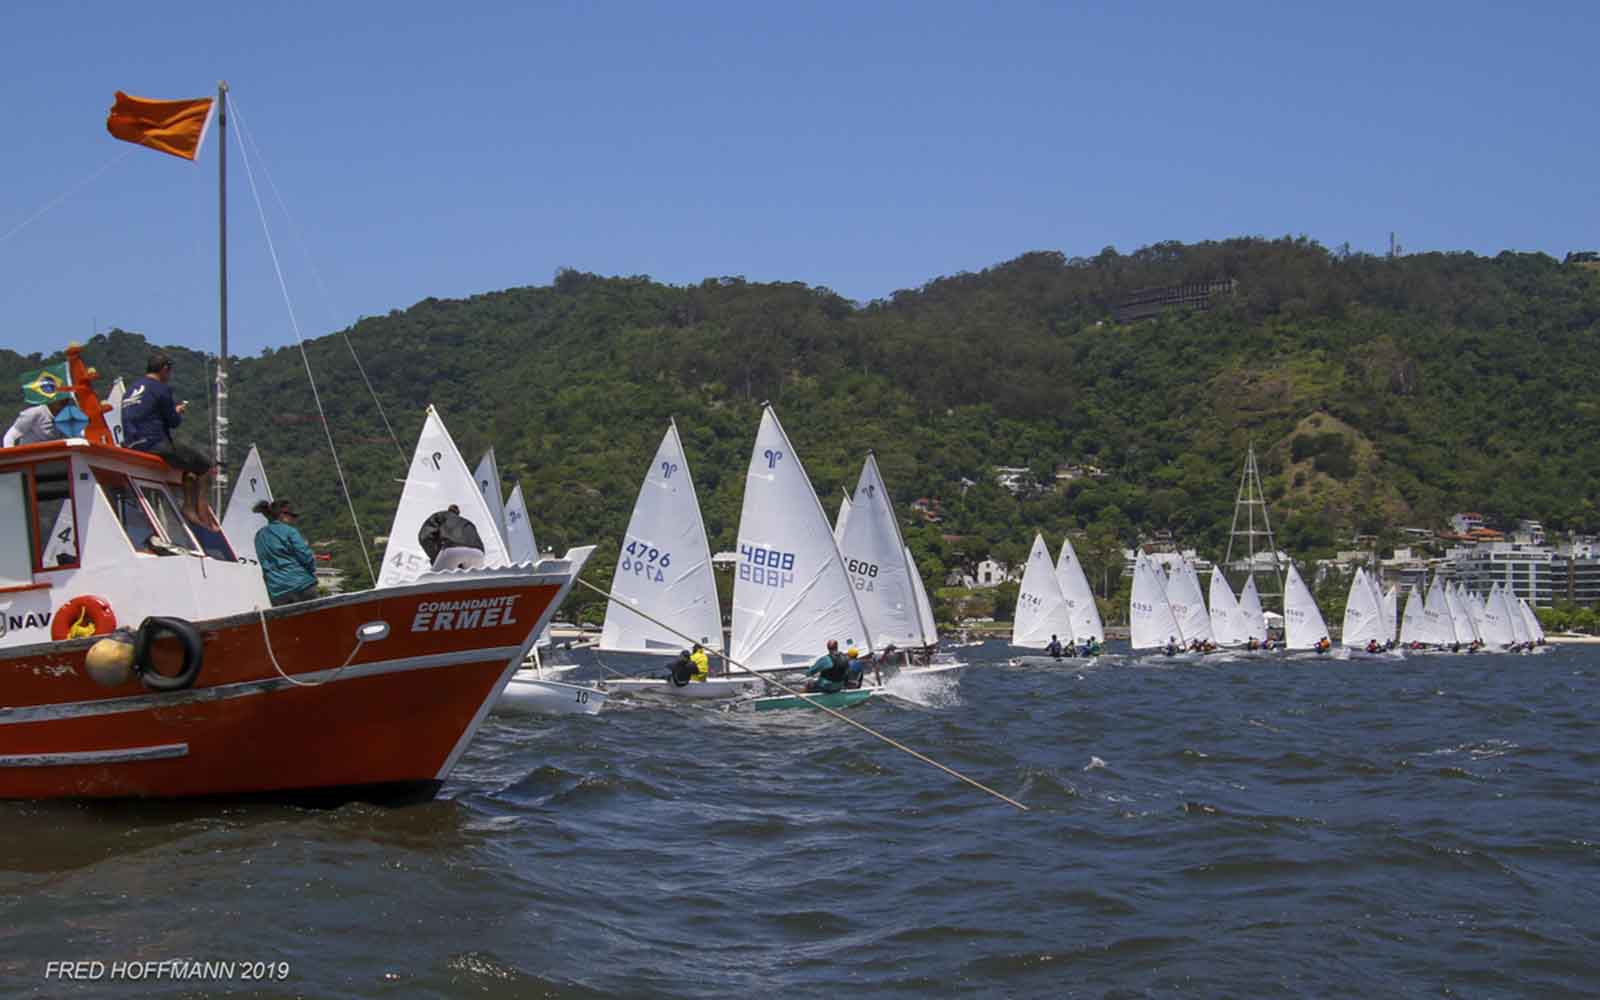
x: 287, y: 565
x: 149, y: 416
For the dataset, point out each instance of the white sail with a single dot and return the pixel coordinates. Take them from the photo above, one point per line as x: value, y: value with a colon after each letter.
x: 1227, y: 624
x: 239, y: 521
x: 1390, y: 609
x: 791, y: 593
x: 930, y: 631
x: 1532, y: 620
x: 1437, y: 627
x: 1414, y: 623
x: 875, y: 557
x: 1151, y: 621
x: 438, y: 477
x: 114, y: 415
x: 1461, y: 619
x: 1475, y: 612
x: 62, y: 540
x: 664, y: 566
x: 520, y: 544
x: 1183, y: 593
x: 488, y: 479
x: 1363, y: 613
x: 1519, y: 625
x: 1041, y: 607
x: 1083, y: 616
x: 844, y: 517
x: 1251, y: 619
x: 1303, y: 626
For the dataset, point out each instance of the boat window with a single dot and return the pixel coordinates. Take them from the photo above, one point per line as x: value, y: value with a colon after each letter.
x: 16, y: 550
x: 129, y: 509
x: 167, y: 516
x: 56, y: 527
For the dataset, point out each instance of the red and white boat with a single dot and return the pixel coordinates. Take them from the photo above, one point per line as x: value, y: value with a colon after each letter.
x: 372, y: 695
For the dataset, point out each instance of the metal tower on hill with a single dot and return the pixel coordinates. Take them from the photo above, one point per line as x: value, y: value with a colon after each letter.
x: 1252, y: 504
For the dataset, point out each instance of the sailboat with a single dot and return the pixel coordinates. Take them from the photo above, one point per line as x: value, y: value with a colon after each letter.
x: 1363, y: 617
x: 1303, y: 627
x: 1391, y: 612
x: 1083, y: 615
x: 240, y: 522
x: 487, y: 476
x: 1413, y: 621
x: 1152, y: 622
x: 1252, y: 620
x: 1041, y: 614
x: 1183, y: 593
x: 875, y: 558
x: 1227, y: 621
x: 843, y: 518
x: 791, y: 592
x: 1535, y: 630
x: 663, y: 593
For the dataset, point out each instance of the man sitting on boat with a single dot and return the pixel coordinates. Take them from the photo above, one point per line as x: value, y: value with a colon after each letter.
x: 682, y: 669
x: 450, y: 540
x: 702, y: 663
x: 1091, y: 647
x: 1054, y: 649
x: 149, y: 416
x: 1171, y: 648
x: 830, y: 671
x: 1373, y: 647
x: 38, y: 423
x: 858, y: 667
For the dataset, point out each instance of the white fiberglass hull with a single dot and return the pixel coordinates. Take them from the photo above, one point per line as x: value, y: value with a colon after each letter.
x: 529, y: 694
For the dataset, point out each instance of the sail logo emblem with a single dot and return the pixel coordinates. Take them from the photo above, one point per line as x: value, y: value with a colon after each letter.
x: 773, y: 457
x: 667, y: 469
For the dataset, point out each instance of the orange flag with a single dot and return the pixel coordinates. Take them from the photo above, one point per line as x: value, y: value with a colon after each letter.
x: 175, y: 127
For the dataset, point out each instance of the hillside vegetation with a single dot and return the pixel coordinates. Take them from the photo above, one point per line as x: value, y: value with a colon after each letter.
x: 1378, y: 392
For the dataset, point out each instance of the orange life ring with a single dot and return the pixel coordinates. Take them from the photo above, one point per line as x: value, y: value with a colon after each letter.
x: 79, y: 614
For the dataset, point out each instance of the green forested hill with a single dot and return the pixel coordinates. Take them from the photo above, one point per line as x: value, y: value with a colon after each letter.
x: 1378, y: 392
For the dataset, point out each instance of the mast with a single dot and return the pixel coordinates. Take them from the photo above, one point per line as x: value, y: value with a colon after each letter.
x: 219, y: 413
x: 1249, y: 498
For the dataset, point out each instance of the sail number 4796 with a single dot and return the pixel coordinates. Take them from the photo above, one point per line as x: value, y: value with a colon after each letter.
x: 643, y: 559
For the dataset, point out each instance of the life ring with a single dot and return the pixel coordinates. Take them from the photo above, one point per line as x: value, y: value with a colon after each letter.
x: 81, y: 617
x: 193, y: 653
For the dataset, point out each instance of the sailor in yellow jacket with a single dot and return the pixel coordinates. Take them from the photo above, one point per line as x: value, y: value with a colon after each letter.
x: 702, y: 663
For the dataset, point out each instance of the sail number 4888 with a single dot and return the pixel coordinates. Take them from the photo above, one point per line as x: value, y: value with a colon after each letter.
x: 767, y: 567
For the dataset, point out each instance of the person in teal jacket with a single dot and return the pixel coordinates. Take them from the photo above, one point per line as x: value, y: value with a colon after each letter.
x: 286, y: 560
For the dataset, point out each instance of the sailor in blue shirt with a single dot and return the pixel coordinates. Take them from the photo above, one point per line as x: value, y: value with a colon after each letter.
x: 149, y: 416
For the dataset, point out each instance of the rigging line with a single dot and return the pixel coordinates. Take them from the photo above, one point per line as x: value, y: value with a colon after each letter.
x: 295, y: 325
x: 327, y: 297
x: 768, y: 678
x: 69, y: 192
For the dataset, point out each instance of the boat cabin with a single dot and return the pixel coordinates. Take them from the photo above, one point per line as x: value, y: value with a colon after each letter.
x: 83, y: 517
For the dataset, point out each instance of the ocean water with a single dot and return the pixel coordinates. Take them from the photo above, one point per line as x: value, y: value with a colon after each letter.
x: 1256, y: 828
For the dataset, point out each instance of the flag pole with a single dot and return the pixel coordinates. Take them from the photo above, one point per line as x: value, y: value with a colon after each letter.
x: 219, y: 413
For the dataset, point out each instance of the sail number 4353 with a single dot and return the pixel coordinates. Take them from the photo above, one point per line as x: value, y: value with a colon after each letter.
x: 767, y: 567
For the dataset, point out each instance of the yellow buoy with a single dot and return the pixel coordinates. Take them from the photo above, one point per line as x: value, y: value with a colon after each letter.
x: 110, y: 661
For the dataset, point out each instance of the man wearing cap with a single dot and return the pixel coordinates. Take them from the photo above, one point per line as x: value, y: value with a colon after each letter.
x: 288, y: 566
x: 149, y: 416
x: 37, y: 423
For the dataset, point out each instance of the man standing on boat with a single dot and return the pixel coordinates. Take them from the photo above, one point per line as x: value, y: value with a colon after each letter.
x: 451, y: 541
x: 149, y: 416
x: 288, y: 566
x: 37, y: 423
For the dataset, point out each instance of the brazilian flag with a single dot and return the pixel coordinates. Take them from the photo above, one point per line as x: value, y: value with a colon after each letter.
x: 45, y: 384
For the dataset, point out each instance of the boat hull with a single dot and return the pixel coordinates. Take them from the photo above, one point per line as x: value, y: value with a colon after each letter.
x: 380, y: 719
x: 834, y: 699
x: 530, y: 694
x: 709, y: 690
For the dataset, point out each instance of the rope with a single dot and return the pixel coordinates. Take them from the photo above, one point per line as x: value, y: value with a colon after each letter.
x: 295, y: 325
x: 814, y: 704
x: 63, y: 196
x: 327, y: 299
x: 360, y: 641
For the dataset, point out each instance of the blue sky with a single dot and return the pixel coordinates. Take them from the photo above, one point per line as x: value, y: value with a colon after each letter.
x: 427, y: 149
